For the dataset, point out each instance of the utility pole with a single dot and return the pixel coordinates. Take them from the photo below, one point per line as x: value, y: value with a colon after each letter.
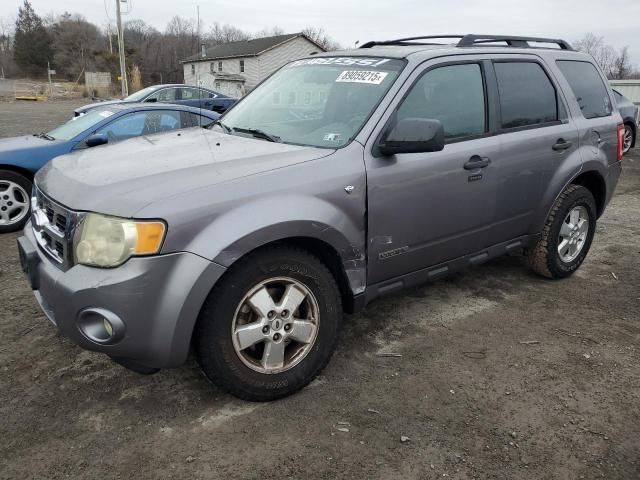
x: 123, y: 65
x: 110, y: 42
x: 198, y: 10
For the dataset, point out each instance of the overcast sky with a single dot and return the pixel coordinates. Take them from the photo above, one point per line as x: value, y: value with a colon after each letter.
x: 350, y: 20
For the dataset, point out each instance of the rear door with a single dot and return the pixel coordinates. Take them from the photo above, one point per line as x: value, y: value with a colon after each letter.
x: 427, y: 208
x: 536, y: 138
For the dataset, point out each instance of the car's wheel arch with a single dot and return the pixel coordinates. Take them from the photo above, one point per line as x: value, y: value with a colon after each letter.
x: 29, y: 175
x: 589, y: 176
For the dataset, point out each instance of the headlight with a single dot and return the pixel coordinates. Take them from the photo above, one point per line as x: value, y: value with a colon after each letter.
x: 105, y: 241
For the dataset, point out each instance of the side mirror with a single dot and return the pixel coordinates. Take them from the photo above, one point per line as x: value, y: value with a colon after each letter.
x: 413, y: 135
x: 97, y: 139
x: 151, y: 100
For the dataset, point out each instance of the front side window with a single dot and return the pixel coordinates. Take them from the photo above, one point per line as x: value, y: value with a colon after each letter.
x: 164, y: 95
x: 588, y: 88
x: 452, y: 94
x: 320, y: 101
x: 527, y: 96
x: 141, y: 123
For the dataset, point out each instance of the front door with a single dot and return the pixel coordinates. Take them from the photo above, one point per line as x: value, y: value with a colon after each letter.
x: 427, y: 208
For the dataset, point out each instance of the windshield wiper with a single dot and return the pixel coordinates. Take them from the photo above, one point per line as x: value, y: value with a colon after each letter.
x: 43, y: 135
x: 258, y: 133
x: 222, y: 125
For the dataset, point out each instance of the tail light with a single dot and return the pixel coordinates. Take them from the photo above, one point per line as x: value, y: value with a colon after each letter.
x: 620, y: 141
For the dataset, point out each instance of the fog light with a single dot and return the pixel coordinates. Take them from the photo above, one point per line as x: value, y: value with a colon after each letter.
x: 101, y: 326
x: 108, y: 328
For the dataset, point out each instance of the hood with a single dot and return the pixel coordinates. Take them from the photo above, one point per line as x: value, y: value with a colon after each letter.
x: 29, y: 152
x: 121, y: 179
x: 101, y: 103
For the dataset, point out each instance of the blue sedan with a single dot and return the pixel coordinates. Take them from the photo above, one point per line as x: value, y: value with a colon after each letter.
x: 178, y: 94
x: 22, y: 157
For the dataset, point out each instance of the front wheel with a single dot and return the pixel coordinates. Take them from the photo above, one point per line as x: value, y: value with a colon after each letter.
x: 271, y: 324
x: 567, y: 234
x: 15, y: 201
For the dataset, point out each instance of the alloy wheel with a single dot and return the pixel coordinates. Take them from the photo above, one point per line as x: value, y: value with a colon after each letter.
x: 628, y: 139
x: 573, y: 234
x: 275, y: 325
x: 14, y: 203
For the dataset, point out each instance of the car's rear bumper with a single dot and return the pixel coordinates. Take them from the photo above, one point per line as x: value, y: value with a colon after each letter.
x: 611, y: 180
x: 152, y: 303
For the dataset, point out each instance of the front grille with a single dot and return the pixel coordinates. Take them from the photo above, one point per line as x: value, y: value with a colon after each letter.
x: 53, y: 227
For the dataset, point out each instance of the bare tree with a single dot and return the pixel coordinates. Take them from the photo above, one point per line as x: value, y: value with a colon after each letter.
x: 270, y: 32
x: 616, y: 64
x: 225, y: 33
x: 322, y: 38
x: 74, y: 43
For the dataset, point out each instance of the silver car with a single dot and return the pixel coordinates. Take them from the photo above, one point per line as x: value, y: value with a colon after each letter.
x: 343, y: 177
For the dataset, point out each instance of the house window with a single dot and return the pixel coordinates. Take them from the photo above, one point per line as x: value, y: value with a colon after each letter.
x: 193, y: 69
x: 217, y: 85
x: 212, y: 67
x: 219, y: 66
x: 307, y: 98
x: 241, y: 66
x: 276, y: 98
x: 292, y: 98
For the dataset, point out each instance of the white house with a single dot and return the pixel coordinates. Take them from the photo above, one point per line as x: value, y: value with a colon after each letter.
x: 235, y: 68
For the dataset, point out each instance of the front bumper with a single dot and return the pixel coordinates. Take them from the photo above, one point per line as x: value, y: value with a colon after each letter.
x: 157, y: 298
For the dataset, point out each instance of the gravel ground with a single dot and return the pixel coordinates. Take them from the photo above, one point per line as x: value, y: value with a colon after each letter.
x: 503, y: 375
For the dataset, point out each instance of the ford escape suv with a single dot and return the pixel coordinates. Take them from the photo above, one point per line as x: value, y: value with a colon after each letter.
x: 342, y: 177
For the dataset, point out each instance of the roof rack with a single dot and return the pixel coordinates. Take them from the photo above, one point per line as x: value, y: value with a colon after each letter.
x: 471, y: 40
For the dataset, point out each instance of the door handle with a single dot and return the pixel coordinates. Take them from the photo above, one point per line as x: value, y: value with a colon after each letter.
x: 561, y: 145
x: 477, y: 162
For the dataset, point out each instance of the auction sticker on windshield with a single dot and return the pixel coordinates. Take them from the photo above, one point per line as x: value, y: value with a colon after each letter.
x: 362, y: 76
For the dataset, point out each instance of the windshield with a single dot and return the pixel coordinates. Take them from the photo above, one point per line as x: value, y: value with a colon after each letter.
x: 77, y: 125
x: 140, y: 95
x: 321, y: 102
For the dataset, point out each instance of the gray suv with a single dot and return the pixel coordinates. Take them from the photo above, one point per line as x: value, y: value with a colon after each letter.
x: 344, y: 176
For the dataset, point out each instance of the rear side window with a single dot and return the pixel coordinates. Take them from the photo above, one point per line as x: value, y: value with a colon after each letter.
x: 527, y: 96
x: 454, y: 95
x: 588, y: 88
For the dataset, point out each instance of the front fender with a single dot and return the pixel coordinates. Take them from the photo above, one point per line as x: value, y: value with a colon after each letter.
x: 249, y: 226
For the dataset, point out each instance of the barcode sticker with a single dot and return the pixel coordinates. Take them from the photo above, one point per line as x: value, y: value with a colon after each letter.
x: 362, y: 76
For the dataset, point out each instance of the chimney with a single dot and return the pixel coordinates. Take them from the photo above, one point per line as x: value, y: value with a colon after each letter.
x: 203, y: 51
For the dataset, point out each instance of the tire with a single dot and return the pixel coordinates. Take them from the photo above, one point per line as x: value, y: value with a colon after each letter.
x: 15, y: 189
x: 545, y: 258
x: 245, y: 373
x: 629, y: 138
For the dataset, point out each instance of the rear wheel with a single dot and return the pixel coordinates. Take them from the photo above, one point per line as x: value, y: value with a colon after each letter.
x: 628, y: 138
x: 567, y: 235
x: 15, y: 204
x: 271, y: 324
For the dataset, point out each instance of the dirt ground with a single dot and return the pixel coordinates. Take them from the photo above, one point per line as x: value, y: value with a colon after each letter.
x: 503, y: 375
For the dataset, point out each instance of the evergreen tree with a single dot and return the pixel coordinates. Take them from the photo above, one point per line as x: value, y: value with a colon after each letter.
x: 32, y: 45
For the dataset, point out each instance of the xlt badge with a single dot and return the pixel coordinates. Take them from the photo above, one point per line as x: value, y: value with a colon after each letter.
x: 392, y: 253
